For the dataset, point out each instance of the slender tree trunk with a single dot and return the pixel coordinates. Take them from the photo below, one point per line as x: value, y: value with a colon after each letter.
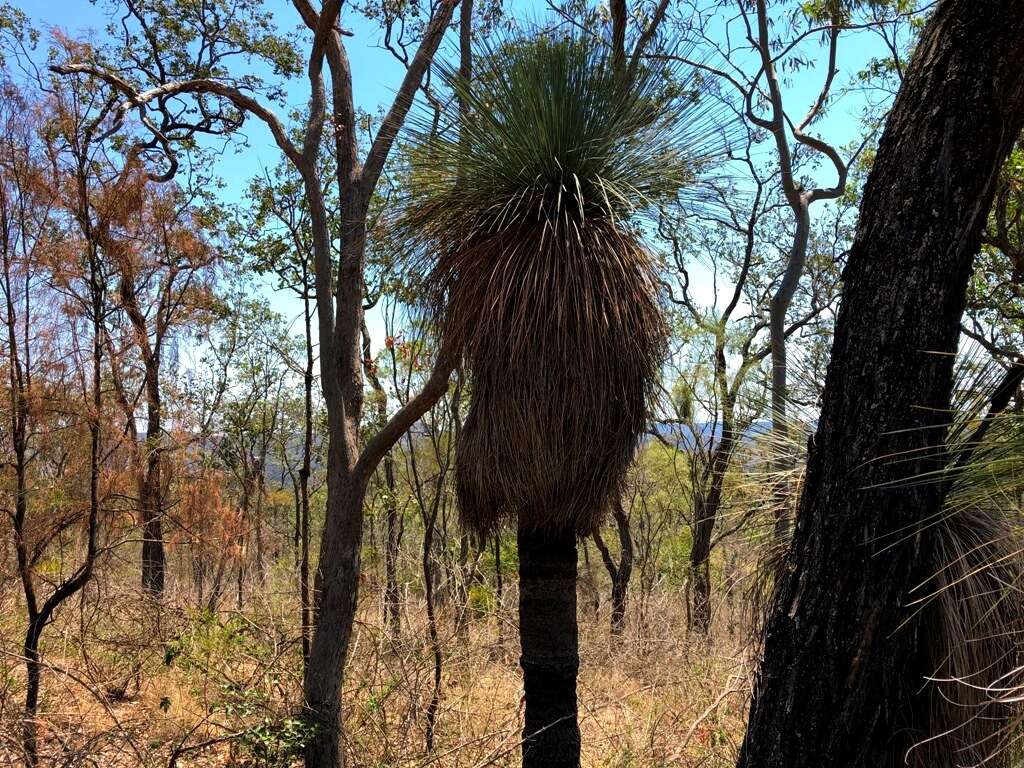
x: 621, y: 572
x: 150, y: 482
x: 392, y: 545
x: 707, y: 505
x: 304, y: 474
x: 843, y: 681
x: 620, y: 588
x: 463, y: 574
x: 779, y: 306
x: 777, y: 311
x: 392, y: 523
x: 700, y: 570
x: 260, y: 564
x: 33, y: 676
x: 499, y: 588
x: 429, y: 527
x: 550, y: 654
x: 591, y: 595
x: 154, y: 564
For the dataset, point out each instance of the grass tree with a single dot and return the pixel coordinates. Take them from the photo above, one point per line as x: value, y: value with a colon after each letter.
x: 527, y: 216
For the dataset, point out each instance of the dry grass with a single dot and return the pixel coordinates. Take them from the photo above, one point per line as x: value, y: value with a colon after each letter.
x: 649, y: 698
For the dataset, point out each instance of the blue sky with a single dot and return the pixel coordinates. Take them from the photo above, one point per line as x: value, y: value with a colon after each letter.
x: 376, y: 75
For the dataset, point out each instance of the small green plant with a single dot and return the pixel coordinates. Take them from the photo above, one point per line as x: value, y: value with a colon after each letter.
x: 270, y: 741
x: 481, y: 599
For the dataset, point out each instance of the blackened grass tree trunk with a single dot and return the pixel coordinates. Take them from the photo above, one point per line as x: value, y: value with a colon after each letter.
x: 550, y: 652
x: 843, y: 678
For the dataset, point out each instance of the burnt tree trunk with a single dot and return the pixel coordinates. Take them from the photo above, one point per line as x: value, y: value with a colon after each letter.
x: 620, y: 572
x: 842, y: 682
x: 550, y: 653
x: 149, y: 471
x: 304, y: 475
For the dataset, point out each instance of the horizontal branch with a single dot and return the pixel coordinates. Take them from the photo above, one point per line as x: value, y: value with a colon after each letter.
x: 136, y: 98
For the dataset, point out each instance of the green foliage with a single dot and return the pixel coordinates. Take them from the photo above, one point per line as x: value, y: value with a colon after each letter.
x: 206, y: 639
x: 841, y: 11
x: 269, y: 742
x: 227, y: 648
x: 184, y: 39
x: 15, y: 30
x: 481, y: 598
x: 558, y: 135
x: 995, y: 303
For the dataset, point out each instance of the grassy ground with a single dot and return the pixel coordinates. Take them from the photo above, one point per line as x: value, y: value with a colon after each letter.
x: 128, y: 685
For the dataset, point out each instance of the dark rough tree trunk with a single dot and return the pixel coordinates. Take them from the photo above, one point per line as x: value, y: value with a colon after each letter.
x: 149, y: 480
x: 550, y: 652
x: 151, y: 487
x: 842, y: 682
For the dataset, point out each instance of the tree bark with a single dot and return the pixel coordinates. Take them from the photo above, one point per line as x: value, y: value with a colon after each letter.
x: 33, y: 678
x: 305, y: 472
x: 550, y: 653
x: 842, y: 682
x: 149, y: 469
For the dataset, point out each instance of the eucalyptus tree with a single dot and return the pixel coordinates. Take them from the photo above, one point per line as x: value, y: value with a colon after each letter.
x: 719, y: 275
x: 847, y: 666
x: 523, y: 215
x: 756, y: 50
x: 55, y: 219
x: 182, y: 81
